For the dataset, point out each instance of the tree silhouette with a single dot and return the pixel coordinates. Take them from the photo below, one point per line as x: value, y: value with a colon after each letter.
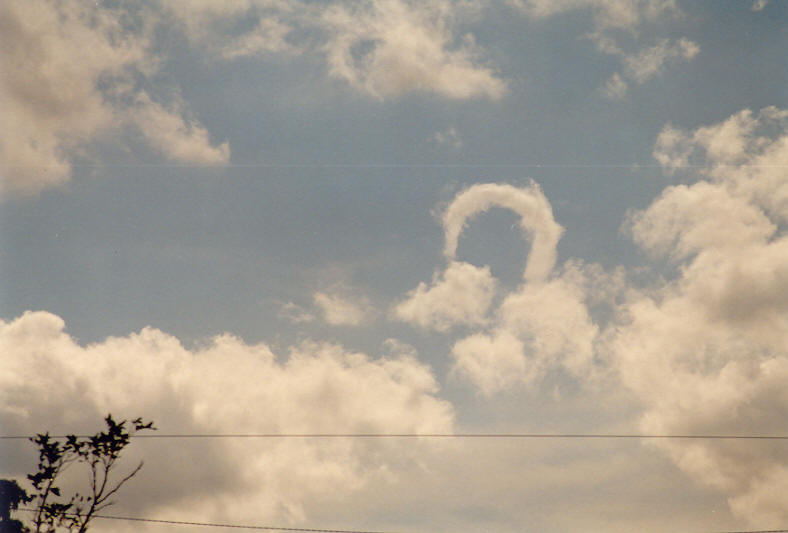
x: 99, y: 453
x: 11, y: 496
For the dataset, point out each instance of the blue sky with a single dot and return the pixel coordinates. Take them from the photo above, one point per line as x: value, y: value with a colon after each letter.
x: 234, y: 218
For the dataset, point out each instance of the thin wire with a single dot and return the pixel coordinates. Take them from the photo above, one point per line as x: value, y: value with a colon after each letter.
x: 398, y: 165
x: 428, y: 435
x: 309, y: 530
x: 213, y: 524
x: 755, y: 531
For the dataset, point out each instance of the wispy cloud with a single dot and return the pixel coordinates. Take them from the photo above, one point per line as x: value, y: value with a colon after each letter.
x: 340, y: 307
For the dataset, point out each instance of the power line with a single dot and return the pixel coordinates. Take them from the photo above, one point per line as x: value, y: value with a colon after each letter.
x: 428, y: 435
x: 307, y: 530
x: 394, y: 165
x: 214, y: 524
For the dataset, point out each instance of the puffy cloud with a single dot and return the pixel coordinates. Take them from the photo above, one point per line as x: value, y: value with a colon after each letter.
x: 50, y: 101
x: 182, y: 140
x: 745, y: 155
x: 383, y: 48
x: 537, y: 328
x: 705, y: 352
x: 492, y: 362
x: 686, y: 220
x: 55, y: 107
x: 390, y: 47
x: 50, y: 382
x: 54, y: 104
x: 459, y: 296
x: 341, y: 309
x: 542, y: 325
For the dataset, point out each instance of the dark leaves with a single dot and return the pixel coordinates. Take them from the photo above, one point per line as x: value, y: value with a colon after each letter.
x: 99, y: 452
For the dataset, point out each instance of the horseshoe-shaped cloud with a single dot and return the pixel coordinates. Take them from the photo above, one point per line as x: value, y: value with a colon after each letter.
x: 463, y: 293
x: 543, y: 323
x: 536, y: 221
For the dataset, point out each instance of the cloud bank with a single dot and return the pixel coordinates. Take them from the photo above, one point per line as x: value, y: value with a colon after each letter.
x: 49, y: 381
x: 702, y: 349
x: 705, y: 352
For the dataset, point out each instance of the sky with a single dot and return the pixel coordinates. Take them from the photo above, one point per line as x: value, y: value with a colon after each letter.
x: 385, y: 216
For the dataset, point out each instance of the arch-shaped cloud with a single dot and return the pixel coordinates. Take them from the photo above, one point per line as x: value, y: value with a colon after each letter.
x: 536, y: 221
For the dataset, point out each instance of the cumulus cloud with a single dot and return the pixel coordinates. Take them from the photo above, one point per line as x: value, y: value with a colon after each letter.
x: 542, y: 325
x: 54, y: 105
x: 745, y: 155
x: 382, y: 48
x: 702, y: 351
x: 539, y: 327
x: 48, y: 381
x: 461, y: 295
x: 180, y: 139
x: 389, y: 47
x: 705, y: 352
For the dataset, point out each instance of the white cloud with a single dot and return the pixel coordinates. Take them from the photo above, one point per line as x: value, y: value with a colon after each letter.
x: 759, y: 5
x: 50, y: 382
x: 747, y: 153
x: 617, y: 29
x: 539, y: 327
x: 536, y: 221
x: 383, y: 48
x: 459, y: 296
x: 342, y: 309
x: 181, y: 140
x: 390, y: 47
x: 54, y: 105
x: 705, y: 352
x: 649, y: 62
x: 542, y: 325
x: 493, y: 362
x: 686, y: 220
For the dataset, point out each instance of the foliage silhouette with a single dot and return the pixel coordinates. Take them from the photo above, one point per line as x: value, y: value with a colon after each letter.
x: 99, y: 453
x: 11, y: 496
